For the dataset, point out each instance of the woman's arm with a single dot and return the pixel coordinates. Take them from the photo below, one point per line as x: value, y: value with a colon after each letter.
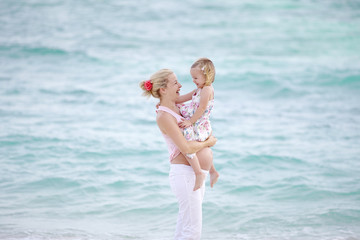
x: 186, y: 97
x: 168, y: 126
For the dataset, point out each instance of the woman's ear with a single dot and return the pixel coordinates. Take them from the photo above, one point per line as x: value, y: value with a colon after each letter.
x: 162, y: 91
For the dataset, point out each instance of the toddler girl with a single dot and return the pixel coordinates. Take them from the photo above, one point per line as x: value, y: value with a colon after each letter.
x: 196, y: 125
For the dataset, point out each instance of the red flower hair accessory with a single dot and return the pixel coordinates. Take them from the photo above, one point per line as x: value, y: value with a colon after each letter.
x: 148, y: 85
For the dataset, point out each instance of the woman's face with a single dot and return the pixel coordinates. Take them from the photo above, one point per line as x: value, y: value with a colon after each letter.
x: 198, y: 77
x: 173, y: 86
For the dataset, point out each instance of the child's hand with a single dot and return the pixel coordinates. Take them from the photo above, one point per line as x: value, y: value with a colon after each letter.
x: 185, y: 124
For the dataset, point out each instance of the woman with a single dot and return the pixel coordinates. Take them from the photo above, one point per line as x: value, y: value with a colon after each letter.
x: 164, y: 85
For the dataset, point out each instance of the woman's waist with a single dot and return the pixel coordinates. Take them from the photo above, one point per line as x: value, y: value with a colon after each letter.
x: 183, y: 169
x: 179, y: 159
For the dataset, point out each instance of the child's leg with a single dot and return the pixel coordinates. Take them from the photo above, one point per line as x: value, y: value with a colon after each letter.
x: 199, y: 175
x: 214, y: 175
x: 206, y: 158
x: 193, y: 160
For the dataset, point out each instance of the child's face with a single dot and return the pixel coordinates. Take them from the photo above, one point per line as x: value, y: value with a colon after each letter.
x: 198, y: 77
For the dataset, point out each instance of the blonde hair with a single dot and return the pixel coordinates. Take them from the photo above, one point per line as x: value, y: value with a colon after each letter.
x: 208, y: 68
x: 158, y: 80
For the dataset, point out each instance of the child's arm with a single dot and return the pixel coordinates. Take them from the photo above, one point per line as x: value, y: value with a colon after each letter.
x: 204, y: 99
x: 168, y: 126
x: 186, y: 97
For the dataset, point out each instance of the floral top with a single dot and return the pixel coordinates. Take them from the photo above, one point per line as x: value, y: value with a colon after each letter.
x: 201, y: 129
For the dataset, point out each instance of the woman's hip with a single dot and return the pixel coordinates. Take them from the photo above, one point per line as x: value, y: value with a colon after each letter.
x: 182, y: 169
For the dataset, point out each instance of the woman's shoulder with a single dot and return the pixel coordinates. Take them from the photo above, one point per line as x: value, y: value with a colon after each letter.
x: 162, y: 119
x: 165, y: 122
x: 163, y: 116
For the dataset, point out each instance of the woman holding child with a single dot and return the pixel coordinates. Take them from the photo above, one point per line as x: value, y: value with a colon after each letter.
x: 183, y: 177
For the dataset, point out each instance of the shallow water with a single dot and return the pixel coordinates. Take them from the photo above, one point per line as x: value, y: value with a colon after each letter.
x: 81, y: 156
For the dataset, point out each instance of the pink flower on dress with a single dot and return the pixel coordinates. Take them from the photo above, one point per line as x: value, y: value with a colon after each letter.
x: 148, y: 85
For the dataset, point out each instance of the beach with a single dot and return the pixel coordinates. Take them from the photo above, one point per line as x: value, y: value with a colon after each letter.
x: 81, y: 156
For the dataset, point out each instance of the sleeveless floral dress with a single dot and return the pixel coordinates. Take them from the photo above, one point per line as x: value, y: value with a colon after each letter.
x: 201, y: 129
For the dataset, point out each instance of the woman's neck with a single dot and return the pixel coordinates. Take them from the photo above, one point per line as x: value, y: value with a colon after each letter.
x: 168, y: 104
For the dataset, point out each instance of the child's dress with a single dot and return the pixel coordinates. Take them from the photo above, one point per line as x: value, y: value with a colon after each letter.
x: 201, y: 129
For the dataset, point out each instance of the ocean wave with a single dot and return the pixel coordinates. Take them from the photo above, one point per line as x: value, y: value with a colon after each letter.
x: 24, y: 51
x: 51, y: 183
x: 336, y: 79
x: 22, y: 138
x: 61, y: 235
x: 73, y: 92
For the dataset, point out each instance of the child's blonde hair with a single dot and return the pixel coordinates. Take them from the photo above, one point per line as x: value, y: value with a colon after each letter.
x: 158, y: 80
x: 208, y: 68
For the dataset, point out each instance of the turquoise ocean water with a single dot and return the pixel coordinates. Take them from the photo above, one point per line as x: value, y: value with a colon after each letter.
x: 81, y: 156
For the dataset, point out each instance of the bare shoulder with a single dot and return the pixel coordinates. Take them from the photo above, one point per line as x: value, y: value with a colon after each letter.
x: 207, y: 88
x: 207, y: 92
x: 165, y: 121
x: 162, y: 117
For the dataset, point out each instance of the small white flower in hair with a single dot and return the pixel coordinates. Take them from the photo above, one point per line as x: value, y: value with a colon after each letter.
x: 203, y: 69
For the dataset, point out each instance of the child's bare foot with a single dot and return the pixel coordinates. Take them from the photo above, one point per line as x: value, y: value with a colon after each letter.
x: 199, y: 180
x: 213, y: 177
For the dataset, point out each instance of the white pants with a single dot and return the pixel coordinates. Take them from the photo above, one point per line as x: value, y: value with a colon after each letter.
x: 189, y: 221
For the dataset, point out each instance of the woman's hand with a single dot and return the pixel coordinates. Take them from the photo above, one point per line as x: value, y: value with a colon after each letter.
x: 185, y: 124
